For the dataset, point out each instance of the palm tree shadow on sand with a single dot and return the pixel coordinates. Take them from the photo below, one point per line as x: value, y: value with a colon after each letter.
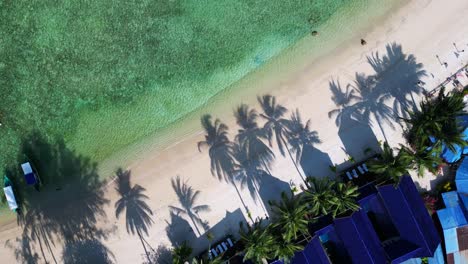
x: 66, y: 209
x: 302, y: 140
x: 188, y: 198
x: 87, y: 252
x: 137, y: 212
x: 383, y: 96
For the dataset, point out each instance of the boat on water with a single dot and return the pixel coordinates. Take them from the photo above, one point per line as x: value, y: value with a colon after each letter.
x: 9, y: 193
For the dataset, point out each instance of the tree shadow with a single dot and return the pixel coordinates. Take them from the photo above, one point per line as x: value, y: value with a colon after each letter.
x: 397, y: 77
x: 70, y: 202
x: 220, y: 149
x: 409, y: 72
x: 161, y: 255
x: 270, y: 190
x: 302, y: 139
x: 132, y: 201
x: 179, y: 230
x: 315, y: 162
x: 354, y: 131
x: 87, y: 252
x: 188, y: 198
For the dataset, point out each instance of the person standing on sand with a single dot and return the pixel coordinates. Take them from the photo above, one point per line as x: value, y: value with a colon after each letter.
x: 363, y: 42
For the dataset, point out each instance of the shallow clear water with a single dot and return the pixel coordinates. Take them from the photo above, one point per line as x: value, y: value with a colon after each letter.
x: 104, y: 74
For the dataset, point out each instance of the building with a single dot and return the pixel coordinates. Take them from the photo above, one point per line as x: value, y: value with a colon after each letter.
x: 454, y: 218
x: 393, y: 226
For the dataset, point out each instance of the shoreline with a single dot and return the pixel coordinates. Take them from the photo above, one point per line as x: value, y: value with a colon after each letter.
x: 294, y: 58
x: 423, y: 28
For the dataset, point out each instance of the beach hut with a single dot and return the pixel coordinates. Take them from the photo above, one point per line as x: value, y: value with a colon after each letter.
x: 9, y: 194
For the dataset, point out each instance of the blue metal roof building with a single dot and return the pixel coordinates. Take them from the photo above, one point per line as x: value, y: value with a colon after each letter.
x: 454, y: 218
x: 393, y: 226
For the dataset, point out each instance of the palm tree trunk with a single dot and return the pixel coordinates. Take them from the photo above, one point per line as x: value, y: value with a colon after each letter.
x: 293, y: 161
x: 144, y: 247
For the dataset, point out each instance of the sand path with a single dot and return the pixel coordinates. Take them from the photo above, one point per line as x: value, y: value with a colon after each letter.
x: 423, y: 28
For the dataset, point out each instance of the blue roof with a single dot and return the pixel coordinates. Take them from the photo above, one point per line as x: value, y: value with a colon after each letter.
x: 451, y: 217
x: 450, y: 199
x: 447, y: 154
x: 461, y: 178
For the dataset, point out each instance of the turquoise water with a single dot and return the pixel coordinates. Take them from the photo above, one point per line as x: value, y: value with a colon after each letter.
x: 104, y: 74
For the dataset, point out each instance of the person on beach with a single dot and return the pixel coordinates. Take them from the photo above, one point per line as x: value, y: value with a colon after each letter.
x: 363, y: 42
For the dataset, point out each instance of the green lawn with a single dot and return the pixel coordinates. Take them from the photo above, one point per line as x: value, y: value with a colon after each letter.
x: 102, y: 74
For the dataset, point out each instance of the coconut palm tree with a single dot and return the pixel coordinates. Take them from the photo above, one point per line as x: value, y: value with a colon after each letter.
x: 423, y: 159
x: 181, y: 253
x: 436, y: 123
x: 345, y: 198
x: 319, y: 195
x: 284, y: 250
x: 299, y: 134
x: 220, y: 152
x: 391, y: 166
x: 132, y: 201
x: 290, y: 217
x: 258, y: 242
x: 275, y: 125
x: 251, y: 136
x: 188, y: 198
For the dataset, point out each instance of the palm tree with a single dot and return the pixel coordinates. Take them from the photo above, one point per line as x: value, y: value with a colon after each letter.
x: 391, y: 166
x: 181, y: 253
x: 436, y: 122
x: 220, y: 152
x: 251, y: 136
x: 216, y: 260
x: 300, y: 135
x: 345, y: 198
x: 423, y: 159
x: 290, y: 217
x: 137, y: 212
x: 320, y: 195
x: 258, y: 243
x: 275, y: 125
x: 188, y: 198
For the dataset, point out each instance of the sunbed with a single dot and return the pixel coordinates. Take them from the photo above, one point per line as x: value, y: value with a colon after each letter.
x: 360, y: 169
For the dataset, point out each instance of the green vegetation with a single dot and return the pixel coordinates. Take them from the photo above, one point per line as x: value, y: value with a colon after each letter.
x: 105, y: 73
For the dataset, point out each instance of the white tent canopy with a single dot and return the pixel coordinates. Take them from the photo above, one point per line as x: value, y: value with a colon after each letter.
x: 10, y: 196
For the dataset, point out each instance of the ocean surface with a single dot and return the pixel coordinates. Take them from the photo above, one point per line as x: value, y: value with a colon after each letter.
x: 107, y: 77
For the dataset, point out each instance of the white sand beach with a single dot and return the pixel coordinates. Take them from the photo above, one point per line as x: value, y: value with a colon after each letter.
x: 423, y: 29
